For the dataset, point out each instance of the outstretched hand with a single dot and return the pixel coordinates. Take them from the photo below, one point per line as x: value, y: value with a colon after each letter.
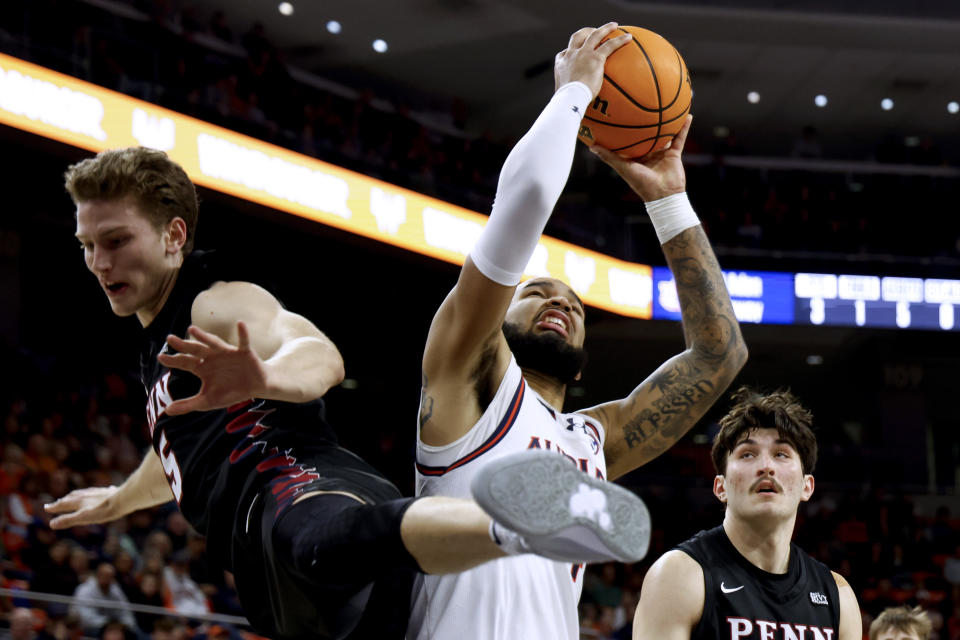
x: 82, y: 506
x: 228, y: 374
x: 655, y: 175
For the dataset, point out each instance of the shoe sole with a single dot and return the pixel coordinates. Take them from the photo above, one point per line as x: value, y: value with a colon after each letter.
x: 531, y: 493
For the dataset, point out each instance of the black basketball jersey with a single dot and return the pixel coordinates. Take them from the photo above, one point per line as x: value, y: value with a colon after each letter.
x: 744, y: 601
x: 216, y: 460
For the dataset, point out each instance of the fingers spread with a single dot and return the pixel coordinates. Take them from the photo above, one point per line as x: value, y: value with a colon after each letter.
x: 182, y: 361
x: 243, y: 336
x: 185, y: 346
x: 205, y: 337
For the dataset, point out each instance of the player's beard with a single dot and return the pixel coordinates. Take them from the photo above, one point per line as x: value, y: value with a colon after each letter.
x: 545, y: 352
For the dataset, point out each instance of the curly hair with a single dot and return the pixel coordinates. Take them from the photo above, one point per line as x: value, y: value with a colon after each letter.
x: 780, y: 410
x: 160, y: 187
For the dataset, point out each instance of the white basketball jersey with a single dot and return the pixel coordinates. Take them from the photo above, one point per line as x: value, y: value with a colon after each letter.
x: 522, y: 596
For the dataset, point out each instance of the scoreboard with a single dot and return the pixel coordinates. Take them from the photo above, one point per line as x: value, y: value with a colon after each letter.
x: 770, y: 297
x: 875, y: 301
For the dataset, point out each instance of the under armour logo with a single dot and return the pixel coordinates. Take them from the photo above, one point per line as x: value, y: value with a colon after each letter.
x: 592, y: 504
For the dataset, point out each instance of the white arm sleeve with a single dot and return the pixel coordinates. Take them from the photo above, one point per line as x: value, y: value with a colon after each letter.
x: 531, y: 181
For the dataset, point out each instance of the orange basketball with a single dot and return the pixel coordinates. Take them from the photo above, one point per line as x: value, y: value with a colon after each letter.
x: 644, y: 99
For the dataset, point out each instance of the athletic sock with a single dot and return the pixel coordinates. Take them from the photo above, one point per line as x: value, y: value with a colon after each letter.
x: 509, y: 541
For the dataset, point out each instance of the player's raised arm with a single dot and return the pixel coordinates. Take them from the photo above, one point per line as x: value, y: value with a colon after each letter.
x: 670, y: 401
x: 671, y: 599
x: 465, y: 348
x: 243, y: 344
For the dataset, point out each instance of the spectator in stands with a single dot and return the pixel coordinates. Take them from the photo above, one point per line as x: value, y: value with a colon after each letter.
x: 102, y: 586
x: 11, y: 467
x: 185, y: 595
x: 124, y: 563
x: 79, y: 563
x: 168, y: 629
x: 901, y: 623
x: 54, y: 574
x: 21, y: 625
x: 115, y: 630
x: 149, y: 592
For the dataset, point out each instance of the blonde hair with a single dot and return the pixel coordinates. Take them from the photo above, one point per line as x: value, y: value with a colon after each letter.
x: 159, y: 186
x: 903, y: 619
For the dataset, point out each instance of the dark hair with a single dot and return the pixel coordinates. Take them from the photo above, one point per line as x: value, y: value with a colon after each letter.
x: 751, y: 411
x: 159, y: 185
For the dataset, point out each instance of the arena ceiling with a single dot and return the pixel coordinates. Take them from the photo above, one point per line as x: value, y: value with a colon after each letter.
x: 495, y: 55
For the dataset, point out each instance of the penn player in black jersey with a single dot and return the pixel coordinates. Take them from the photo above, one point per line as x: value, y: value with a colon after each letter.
x: 745, y: 579
x: 320, y: 544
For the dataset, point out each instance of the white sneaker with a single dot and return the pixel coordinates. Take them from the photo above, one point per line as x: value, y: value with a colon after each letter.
x: 561, y: 512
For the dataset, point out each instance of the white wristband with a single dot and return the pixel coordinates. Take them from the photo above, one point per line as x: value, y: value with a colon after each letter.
x: 671, y: 215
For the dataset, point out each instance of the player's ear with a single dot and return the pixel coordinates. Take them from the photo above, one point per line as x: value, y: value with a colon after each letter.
x: 807, y: 487
x: 719, y: 489
x: 175, y: 235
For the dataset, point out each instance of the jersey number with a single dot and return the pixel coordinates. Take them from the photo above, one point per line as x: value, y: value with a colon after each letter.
x: 170, y: 467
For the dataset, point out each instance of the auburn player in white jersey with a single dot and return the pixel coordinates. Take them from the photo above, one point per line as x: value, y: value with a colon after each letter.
x: 498, y: 358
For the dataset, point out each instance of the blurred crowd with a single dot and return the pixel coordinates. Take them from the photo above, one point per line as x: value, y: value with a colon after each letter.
x: 195, y: 64
x: 56, y: 442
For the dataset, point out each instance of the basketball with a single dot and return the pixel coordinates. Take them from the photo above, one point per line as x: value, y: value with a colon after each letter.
x: 644, y: 99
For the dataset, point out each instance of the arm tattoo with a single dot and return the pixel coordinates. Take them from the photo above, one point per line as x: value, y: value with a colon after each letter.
x: 709, y: 324
x: 682, y: 387
x: 688, y: 384
x: 426, y: 403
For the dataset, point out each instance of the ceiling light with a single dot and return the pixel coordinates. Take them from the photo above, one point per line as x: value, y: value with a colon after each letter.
x: 334, y: 27
x: 380, y: 46
x: 286, y: 8
x: 953, y: 107
x: 814, y: 360
x: 886, y: 104
x: 753, y: 97
x: 820, y: 100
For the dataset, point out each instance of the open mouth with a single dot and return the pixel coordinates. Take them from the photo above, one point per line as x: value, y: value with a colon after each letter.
x: 554, y: 321
x: 767, y: 488
x: 115, y: 288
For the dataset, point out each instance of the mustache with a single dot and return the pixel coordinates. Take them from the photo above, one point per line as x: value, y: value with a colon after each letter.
x: 776, y: 485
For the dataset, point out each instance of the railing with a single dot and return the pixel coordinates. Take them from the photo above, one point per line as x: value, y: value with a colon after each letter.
x: 36, y: 596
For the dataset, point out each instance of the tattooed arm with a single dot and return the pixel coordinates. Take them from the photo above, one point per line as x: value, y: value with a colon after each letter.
x: 670, y: 401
